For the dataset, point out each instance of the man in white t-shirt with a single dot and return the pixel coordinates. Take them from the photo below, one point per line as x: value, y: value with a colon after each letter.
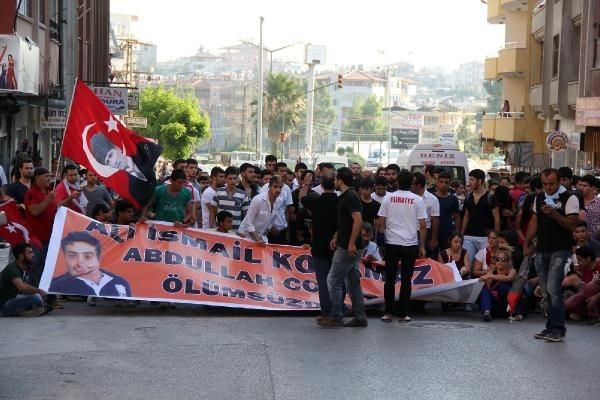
x: 432, y: 205
x: 399, y: 214
x: 217, y: 180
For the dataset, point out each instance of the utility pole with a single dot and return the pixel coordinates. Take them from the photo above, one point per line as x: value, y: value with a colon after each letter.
x: 243, y: 133
x: 389, y: 101
x: 261, y: 79
x: 310, y: 100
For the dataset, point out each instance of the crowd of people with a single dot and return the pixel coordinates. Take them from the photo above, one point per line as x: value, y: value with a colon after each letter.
x: 531, y: 239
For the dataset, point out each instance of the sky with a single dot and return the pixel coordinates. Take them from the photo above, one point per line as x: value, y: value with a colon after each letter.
x: 428, y: 33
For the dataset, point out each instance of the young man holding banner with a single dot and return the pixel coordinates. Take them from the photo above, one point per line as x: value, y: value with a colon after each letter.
x: 262, y: 212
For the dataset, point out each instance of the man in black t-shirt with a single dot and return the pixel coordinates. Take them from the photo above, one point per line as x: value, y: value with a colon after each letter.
x: 349, y: 246
x: 370, y: 207
x: 481, y: 215
x: 449, y: 210
x: 17, y: 189
x: 555, y: 216
x: 322, y: 208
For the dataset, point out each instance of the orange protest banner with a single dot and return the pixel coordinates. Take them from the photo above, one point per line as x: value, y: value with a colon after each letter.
x: 157, y: 261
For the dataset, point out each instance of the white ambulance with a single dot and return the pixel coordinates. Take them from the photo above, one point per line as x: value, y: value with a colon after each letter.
x: 447, y: 157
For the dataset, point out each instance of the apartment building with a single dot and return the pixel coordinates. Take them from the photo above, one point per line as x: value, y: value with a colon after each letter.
x: 50, y: 44
x: 516, y: 129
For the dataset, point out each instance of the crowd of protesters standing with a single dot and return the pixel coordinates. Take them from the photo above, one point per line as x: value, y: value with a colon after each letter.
x: 540, y: 230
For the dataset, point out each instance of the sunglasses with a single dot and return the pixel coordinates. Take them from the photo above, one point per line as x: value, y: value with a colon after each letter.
x: 498, y: 259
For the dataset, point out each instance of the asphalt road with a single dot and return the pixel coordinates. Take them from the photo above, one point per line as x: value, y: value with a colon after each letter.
x: 106, y: 352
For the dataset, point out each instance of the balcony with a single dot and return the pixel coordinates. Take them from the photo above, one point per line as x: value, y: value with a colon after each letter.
x: 512, y: 60
x: 488, y: 126
x: 538, y: 22
x: 495, y: 13
x: 505, y: 127
x: 535, y: 98
x: 514, y: 5
x: 572, y: 93
x: 490, y: 70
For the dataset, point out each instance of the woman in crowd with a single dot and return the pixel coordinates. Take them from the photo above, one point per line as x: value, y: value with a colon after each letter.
x: 484, y: 258
x: 498, y: 281
x: 457, y: 254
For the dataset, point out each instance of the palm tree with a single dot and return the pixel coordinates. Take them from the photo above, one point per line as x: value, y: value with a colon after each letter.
x: 283, y: 105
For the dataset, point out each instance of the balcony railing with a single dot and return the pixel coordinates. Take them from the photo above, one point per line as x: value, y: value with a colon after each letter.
x: 572, y: 92
x: 512, y: 59
x: 510, y: 114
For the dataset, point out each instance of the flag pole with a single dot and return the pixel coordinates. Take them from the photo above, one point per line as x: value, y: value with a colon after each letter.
x: 62, y: 142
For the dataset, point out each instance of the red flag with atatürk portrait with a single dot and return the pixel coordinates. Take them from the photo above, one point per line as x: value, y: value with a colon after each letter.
x: 121, y: 158
x: 16, y: 230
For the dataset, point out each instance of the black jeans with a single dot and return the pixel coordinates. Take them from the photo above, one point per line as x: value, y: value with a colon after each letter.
x: 322, y: 265
x: 406, y: 255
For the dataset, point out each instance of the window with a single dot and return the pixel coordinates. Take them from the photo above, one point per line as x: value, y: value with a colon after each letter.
x: 576, y: 44
x: 43, y: 12
x: 25, y: 8
x: 597, y: 45
x: 555, y: 53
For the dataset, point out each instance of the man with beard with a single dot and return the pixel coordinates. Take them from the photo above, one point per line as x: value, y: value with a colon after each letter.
x: 17, y: 190
x: 18, y: 298
x: 391, y: 173
x: 68, y: 190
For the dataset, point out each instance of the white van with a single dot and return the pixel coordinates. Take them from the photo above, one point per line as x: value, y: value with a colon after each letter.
x: 447, y: 157
x: 240, y: 157
x: 337, y: 161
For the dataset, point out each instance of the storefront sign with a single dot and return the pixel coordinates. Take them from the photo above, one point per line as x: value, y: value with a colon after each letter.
x: 587, y: 112
x: 447, y: 135
x: 54, y: 119
x: 133, y: 99
x: 557, y: 141
x: 19, y: 65
x: 115, y: 98
x: 136, y: 122
x: 411, y: 120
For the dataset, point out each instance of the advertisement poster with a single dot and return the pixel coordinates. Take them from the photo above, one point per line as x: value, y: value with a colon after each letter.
x: 19, y: 65
x: 158, y: 262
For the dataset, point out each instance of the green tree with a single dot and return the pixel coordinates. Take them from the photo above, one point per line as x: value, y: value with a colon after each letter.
x: 466, y: 133
x: 283, y: 105
x: 177, y: 123
x: 363, y: 121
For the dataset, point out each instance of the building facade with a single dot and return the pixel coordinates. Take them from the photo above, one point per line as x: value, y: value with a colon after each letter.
x: 515, y: 128
x: 58, y: 41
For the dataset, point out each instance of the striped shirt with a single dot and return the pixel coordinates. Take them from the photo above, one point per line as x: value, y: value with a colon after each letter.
x: 237, y: 204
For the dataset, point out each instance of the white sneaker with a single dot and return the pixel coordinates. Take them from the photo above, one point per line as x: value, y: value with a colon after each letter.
x: 404, y: 319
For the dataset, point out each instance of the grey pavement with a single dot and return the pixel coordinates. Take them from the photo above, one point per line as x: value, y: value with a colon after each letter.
x: 106, y: 352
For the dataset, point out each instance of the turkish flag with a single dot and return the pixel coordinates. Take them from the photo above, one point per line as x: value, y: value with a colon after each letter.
x: 16, y: 229
x: 121, y: 158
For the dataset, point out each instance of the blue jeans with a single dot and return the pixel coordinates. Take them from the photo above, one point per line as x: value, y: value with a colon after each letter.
x: 345, y: 268
x: 21, y: 303
x: 550, y: 266
x: 495, y: 304
x: 472, y: 244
